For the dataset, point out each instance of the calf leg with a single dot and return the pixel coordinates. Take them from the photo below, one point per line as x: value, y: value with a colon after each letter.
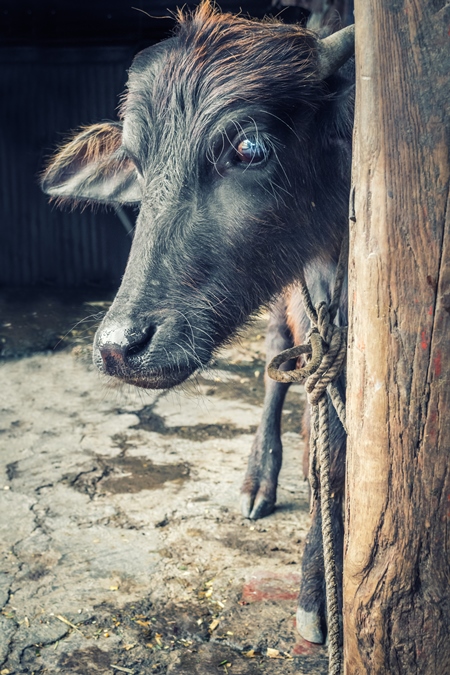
x: 311, y: 612
x: 259, y: 489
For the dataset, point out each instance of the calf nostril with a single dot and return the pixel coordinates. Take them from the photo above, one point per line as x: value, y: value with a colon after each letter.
x: 112, y: 357
x: 119, y: 347
x: 140, y: 345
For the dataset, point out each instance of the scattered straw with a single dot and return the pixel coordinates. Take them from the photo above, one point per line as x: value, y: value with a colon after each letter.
x: 67, y: 622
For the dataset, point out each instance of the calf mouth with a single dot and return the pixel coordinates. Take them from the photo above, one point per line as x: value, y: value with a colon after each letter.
x: 154, y: 358
x: 162, y: 378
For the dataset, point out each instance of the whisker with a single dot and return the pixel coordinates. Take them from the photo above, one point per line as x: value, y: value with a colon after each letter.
x: 93, y: 317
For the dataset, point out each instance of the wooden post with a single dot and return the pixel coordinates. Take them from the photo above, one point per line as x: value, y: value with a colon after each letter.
x: 397, y: 548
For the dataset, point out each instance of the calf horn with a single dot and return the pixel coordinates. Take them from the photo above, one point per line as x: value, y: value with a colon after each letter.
x: 334, y: 50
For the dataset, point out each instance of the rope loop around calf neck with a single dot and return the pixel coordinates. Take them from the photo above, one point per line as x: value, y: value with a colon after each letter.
x: 326, y: 348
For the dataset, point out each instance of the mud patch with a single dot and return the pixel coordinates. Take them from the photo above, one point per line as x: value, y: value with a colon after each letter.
x: 246, y: 545
x: 37, y: 572
x: 211, y: 659
x: 156, y: 626
x: 121, y: 475
x: 151, y: 421
x: 90, y: 660
x: 257, y: 546
x: 133, y: 474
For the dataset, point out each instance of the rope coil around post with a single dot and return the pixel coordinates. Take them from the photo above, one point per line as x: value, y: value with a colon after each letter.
x: 326, y: 348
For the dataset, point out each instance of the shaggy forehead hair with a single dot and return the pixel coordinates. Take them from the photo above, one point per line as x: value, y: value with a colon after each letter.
x: 220, y: 64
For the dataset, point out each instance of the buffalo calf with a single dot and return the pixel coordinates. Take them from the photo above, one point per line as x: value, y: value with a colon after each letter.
x: 234, y: 139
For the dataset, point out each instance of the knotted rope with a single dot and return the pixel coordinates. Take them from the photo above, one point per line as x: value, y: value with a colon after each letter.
x: 327, y: 346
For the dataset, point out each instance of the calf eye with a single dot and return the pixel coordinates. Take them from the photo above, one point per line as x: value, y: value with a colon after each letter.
x: 251, y: 150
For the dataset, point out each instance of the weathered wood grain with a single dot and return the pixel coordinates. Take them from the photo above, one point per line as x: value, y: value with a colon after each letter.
x: 397, y: 548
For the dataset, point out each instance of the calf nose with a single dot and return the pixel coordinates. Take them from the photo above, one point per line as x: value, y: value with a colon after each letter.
x: 113, y: 357
x: 118, y: 345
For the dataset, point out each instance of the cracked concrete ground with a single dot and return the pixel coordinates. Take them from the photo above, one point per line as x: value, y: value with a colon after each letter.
x: 122, y: 545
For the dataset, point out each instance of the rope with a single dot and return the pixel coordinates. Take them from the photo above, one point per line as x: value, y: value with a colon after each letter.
x: 326, y: 348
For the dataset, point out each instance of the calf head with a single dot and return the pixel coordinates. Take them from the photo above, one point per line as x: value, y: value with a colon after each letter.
x: 233, y: 141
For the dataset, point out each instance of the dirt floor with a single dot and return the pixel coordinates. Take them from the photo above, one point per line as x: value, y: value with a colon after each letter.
x: 123, y: 548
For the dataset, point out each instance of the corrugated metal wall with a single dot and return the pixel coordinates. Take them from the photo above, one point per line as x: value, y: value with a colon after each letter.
x: 44, y: 93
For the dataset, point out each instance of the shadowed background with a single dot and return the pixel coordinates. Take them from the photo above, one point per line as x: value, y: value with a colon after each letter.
x: 62, y: 65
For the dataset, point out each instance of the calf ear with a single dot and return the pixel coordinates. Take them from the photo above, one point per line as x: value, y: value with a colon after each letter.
x: 93, y: 167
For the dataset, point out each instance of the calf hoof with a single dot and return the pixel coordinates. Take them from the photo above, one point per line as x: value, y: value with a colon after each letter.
x: 309, y: 625
x: 258, y: 503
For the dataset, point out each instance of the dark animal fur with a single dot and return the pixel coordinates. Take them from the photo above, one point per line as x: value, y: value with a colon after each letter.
x: 215, y: 238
